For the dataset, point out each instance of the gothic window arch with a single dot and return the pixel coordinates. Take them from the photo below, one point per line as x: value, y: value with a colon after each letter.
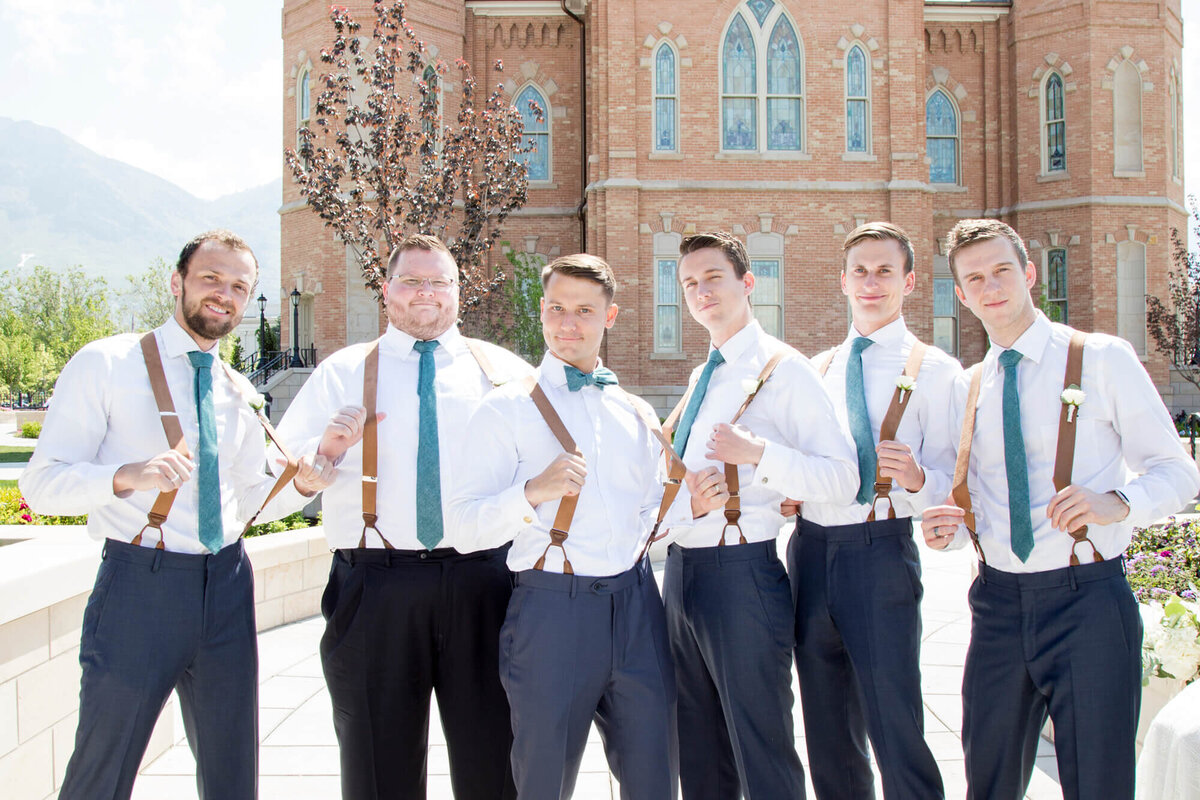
x: 762, y: 81
x: 1174, y: 98
x: 303, y: 97
x: 537, y: 131
x: 666, y: 99
x: 1054, y: 124
x: 1127, y: 120
x: 433, y: 94
x: 1056, y: 284
x: 941, y: 137
x: 858, y: 100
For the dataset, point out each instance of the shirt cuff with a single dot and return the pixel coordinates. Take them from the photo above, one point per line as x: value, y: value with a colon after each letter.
x: 1139, y: 505
x: 97, y: 484
x: 772, y: 468
x: 515, y: 508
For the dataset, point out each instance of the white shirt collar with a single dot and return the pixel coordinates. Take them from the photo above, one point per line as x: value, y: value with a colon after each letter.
x: 178, y: 342
x: 744, y: 341
x: 891, y: 334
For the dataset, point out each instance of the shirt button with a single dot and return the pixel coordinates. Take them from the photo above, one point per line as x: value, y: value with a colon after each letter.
x: 527, y: 520
x: 764, y: 480
x: 424, y: 556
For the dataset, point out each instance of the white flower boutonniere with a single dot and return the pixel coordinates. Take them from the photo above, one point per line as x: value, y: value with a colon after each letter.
x: 1073, y: 398
x: 905, y: 383
x: 257, y: 403
x: 751, y: 385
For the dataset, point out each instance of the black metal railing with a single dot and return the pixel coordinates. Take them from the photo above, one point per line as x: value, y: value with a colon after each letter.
x: 259, y: 367
x: 1188, y: 425
x: 33, y: 401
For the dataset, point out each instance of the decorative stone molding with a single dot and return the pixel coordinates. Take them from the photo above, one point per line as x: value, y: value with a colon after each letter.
x: 1052, y: 63
x: 530, y: 34
x: 661, y: 34
x: 870, y: 43
x: 1123, y: 55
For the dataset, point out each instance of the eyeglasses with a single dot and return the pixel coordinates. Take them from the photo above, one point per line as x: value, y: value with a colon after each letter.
x: 414, y: 283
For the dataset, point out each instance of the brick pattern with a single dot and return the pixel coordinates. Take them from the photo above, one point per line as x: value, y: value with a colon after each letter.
x: 991, y: 66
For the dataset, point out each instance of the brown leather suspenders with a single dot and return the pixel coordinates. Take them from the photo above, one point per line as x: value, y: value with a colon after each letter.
x: 567, y: 504
x: 1064, y: 456
x: 370, y: 439
x: 733, y: 506
x: 891, y: 420
x: 171, y: 427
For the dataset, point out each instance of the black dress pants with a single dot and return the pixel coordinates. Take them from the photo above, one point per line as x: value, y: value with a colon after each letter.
x: 400, y: 624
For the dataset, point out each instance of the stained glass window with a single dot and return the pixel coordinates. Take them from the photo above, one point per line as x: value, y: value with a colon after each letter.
x: 537, y: 132
x: 666, y: 307
x: 1056, y: 126
x: 857, y: 101
x: 941, y: 138
x: 739, y: 100
x: 760, y: 9
x: 768, y: 295
x: 304, y: 107
x: 1056, y: 285
x: 783, y: 88
x: 945, y: 315
x: 431, y: 126
x: 664, y: 99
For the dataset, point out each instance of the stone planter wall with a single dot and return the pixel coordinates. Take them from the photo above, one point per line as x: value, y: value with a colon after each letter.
x: 44, y: 586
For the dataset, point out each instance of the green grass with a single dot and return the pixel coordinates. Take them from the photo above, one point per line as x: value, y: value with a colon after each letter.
x: 8, y: 484
x: 14, y: 454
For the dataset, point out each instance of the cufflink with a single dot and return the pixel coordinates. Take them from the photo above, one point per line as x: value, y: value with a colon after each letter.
x: 528, y: 520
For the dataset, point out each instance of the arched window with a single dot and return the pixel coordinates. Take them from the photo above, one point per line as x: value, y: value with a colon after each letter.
x: 1131, y: 294
x: 431, y: 121
x: 1056, y: 284
x: 941, y: 138
x: 1055, y: 133
x: 1127, y: 120
x: 537, y: 132
x: 762, y: 81
x: 303, y: 98
x: 858, y: 101
x: 1174, y: 142
x: 665, y: 100
x: 668, y: 299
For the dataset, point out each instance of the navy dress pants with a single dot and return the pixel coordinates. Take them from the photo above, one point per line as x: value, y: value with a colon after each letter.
x: 1066, y: 642
x: 399, y: 625
x: 729, y: 615
x: 158, y: 621
x: 576, y: 649
x: 858, y: 591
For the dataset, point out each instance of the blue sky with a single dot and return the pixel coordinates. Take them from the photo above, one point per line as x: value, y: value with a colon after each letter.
x: 190, y: 89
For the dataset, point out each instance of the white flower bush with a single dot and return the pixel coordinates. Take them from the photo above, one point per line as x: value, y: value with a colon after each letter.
x: 1171, y: 644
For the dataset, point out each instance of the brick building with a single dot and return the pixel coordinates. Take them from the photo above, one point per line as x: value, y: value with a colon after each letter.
x: 789, y: 123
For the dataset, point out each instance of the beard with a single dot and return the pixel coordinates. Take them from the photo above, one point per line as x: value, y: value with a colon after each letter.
x: 206, y: 327
x: 420, y: 325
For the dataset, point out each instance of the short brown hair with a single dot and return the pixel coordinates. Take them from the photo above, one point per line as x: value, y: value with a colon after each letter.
x: 417, y: 241
x: 880, y: 232
x: 221, y: 236
x: 731, y: 247
x: 583, y: 265
x: 972, y: 231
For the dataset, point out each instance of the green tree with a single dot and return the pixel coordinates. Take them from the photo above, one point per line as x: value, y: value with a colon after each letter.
x: 146, y: 300
x: 521, y: 325
x: 1174, y: 325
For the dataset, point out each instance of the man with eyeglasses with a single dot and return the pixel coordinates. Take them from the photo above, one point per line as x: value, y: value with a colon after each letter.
x: 406, y: 613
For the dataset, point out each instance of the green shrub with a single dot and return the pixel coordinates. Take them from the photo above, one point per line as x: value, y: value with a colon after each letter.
x: 1165, y: 559
x: 15, y: 511
x: 288, y: 523
x: 31, y: 430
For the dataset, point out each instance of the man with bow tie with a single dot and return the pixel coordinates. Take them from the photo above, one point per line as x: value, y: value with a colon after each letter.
x: 566, y: 467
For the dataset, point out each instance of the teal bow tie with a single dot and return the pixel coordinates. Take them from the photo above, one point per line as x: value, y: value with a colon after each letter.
x: 577, y: 378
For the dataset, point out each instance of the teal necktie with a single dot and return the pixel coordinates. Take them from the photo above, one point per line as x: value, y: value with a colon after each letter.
x: 860, y: 423
x: 599, y: 377
x: 715, y: 359
x: 1020, y: 524
x: 429, y: 469
x: 208, y: 481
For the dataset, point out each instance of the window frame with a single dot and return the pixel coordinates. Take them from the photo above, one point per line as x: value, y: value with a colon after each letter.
x: 865, y: 98
x: 659, y: 95
x: 942, y: 273
x: 1061, y: 301
x: 760, y: 36
x: 548, y: 133
x: 956, y: 137
x: 1047, y: 122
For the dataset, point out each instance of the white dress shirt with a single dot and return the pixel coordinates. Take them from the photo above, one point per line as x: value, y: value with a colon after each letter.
x: 924, y: 427
x: 104, y: 416
x: 337, y: 382
x: 1125, y: 440
x: 512, y: 443
x: 809, y: 456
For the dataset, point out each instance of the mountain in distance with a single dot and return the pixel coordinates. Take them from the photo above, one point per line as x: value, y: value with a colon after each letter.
x: 63, y: 205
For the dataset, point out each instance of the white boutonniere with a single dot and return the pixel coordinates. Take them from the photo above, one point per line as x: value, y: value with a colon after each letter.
x: 257, y: 403
x: 751, y: 385
x: 1072, y: 397
x: 905, y: 383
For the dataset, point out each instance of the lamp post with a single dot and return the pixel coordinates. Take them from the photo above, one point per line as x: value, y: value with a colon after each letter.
x: 295, y: 362
x: 262, y: 327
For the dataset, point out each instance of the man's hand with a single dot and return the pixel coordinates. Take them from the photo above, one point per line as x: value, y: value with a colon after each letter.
x: 734, y: 444
x: 345, y: 429
x: 708, y: 490
x: 164, y: 473
x: 896, y: 461
x: 564, y: 477
x: 790, y: 507
x: 940, y: 523
x: 316, y: 473
x: 1076, y: 506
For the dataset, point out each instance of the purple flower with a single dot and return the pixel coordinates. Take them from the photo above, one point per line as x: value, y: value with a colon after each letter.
x: 26, y: 517
x: 1165, y: 554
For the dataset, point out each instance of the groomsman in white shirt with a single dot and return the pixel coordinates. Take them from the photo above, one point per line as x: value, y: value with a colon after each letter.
x: 408, y: 610
x: 173, y: 604
x: 729, y: 606
x: 576, y: 488
x: 854, y: 566
x: 1054, y: 626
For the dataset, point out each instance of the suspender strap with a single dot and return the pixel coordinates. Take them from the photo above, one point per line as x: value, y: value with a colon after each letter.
x: 960, y: 492
x: 485, y: 364
x: 668, y: 426
x: 733, y: 506
x: 891, y: 423
x: 566, y: 505
x: 171, y: 427
x: 1064, y: 457
x: 370, y: 448
x: 675, y: 468
x: 823, y: 365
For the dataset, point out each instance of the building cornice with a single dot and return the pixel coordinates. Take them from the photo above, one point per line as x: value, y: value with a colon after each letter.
x: 965, y: 12
x: 1075, y: 202
x: 515, y: 8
